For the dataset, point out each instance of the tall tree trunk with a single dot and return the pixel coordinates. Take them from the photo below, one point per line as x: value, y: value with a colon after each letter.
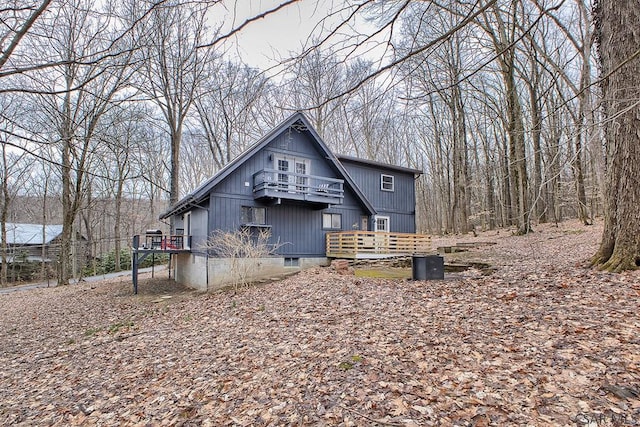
x: 507, y: 209
x: 620, y: 64
x: 503, y: 33
x: 174, y: 196
x: 43, y: 250
x: 536, y: 136
x: 4, y: 212
x: 517, y: 152
x: 118, y: 219
x: 586, y: 115
x: 68, y: 214
x: 579, y: 178
x: 460, y: 164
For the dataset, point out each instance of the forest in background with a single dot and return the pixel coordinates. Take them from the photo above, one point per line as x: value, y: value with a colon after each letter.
x: 108, y: 112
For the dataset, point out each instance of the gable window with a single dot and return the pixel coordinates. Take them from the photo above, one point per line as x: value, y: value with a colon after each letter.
x: 253, y: 215
x: 332, y: 221
x: 386, y: 182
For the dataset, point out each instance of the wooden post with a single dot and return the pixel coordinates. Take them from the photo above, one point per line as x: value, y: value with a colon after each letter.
x: 134, y: 263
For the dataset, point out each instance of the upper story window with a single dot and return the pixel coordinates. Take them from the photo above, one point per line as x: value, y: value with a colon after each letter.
x: 253, y: 215
x: 386, y: 182
x: 293, y: 173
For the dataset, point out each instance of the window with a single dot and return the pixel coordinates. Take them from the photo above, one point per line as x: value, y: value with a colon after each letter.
x: 293, y: 174
x: 381, y: 223
x: 386, y: 182
x: 253, y: 215
x: 301, y: 181
x: 292, y: 262
x: 332, y: 221
x: 283, y: 178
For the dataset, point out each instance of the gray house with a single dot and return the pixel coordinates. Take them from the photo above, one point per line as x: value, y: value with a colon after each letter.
x: 315, y: 204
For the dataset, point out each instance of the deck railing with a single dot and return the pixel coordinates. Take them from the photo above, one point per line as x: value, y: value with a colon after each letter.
x: 297, y: 186
x: 160, y: 242
x: 369, y: 244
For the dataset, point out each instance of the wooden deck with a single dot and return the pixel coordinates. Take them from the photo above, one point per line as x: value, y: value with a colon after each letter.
x: 153, y: 244
x: 370, y: 245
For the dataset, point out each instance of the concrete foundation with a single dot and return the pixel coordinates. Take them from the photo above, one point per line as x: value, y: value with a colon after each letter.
x: 208, y: 274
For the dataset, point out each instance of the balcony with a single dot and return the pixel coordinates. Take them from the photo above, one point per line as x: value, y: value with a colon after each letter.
x: 271, y: 184
x: 158, y: 242
x: 372, y: 245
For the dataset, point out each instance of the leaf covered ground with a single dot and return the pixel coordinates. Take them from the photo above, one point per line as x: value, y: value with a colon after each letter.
x: 543, y: 340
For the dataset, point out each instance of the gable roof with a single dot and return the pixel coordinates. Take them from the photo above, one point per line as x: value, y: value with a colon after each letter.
x: 202, y: 191
x: 31, y: 234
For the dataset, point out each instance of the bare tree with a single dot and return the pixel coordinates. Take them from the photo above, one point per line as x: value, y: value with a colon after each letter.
x: 174, y: 70
x: 17, y: 19
x: 14, y: 169
x: 74, y: 97
x: 228, y: 110
x: 123, y: 134
x: 314, y: 83
x: 502, y: 26
x: 439, y: 72
x: 369, y: 116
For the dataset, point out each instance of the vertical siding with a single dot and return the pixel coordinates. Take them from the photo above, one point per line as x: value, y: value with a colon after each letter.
x: 199, y: 226
x: 398, y: 205
x: 296, y: 226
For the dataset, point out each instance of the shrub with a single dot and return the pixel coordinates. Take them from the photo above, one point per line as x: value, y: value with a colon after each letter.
x: 107, y: 262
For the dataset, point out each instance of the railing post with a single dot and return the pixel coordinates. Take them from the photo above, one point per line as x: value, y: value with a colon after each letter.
x: 134, y: 263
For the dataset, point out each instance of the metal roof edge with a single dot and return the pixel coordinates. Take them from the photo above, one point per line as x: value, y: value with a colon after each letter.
x: 353, y: 159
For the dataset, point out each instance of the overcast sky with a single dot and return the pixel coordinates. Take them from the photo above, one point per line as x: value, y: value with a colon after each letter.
x: 261, y: 43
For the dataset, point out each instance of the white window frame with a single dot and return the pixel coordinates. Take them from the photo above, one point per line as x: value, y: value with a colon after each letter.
x: 332, y: 214
x: 382, y: 182
x: 292, y: 167
x: 386, y: 219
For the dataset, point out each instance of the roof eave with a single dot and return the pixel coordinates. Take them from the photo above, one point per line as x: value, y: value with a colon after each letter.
x: 398, y: 168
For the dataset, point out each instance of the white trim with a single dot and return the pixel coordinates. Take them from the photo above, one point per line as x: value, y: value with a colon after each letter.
x: 292, y: 167
x: 186, y: 224
x: 382, y: 182
x: 386, y: 219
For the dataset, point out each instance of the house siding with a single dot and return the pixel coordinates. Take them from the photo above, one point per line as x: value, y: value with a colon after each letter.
x: 295, y: 226
x: 398, y: 205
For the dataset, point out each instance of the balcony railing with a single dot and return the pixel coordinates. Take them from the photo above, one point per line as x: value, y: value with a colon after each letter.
x: 271, y: 183
x: 369, y: 244
x: 160, y: 242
